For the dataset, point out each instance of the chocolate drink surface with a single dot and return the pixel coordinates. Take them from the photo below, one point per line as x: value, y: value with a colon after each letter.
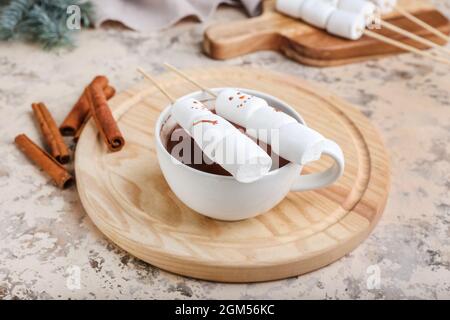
x: 179, y: 141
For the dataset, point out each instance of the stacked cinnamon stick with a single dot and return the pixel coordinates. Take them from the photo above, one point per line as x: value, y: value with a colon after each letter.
x: 92, y: 103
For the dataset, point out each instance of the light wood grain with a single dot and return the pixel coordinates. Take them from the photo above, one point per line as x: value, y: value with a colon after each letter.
x: 126, y: 196
x: 312, y: 46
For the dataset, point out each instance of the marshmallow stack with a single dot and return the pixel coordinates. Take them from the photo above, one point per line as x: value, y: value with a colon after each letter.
x: 343, y: 18
x: 221, y: 142
x: 288, y: 138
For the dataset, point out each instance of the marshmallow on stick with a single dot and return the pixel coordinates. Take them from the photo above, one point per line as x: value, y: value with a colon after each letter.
x: 351, y: 25
x: 221, y: 142
x: 363, y: 7
x: 316, y: 13
x: 346, y: 24
x: 370, y: 10
x: 291, y: 8
x: 388, y: 6
x: 325, y: 15
x: 288, y: 138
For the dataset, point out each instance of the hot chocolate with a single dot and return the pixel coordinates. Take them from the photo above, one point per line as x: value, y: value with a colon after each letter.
x: 221, y: 196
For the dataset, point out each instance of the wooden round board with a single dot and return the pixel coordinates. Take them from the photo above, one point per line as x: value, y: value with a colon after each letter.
x: 126, y: 196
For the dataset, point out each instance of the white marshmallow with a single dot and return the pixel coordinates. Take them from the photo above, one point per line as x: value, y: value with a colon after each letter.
x: 264, y: 120
x: 288, y: 138
x: 208, y: 130
x: 366, y: 8
x: 242, y: 157
x: 186, y: 111
x: 345, y: 24
x: 334, y: 3
x: 250, y: 112
x: 291, y: 8
x: 237, y: 106
x: 316, y: 12
x: 299, y: 144
x: 219, y: 139
x: 385, y: 6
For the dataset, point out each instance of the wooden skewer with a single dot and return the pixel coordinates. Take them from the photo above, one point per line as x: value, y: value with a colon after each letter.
x: 423, y: 24
x: 404, y: 46
x: 146, y: 75
x: 186, y: 77
x: 414, y: 37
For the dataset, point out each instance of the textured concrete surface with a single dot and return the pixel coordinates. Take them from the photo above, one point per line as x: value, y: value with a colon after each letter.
x: 46, y: 238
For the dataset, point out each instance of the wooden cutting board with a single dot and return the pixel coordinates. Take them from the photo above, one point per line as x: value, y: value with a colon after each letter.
x: 126, y: 196
x: 312, y: 46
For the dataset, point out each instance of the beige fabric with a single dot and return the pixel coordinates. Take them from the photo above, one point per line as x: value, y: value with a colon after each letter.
x: 150, y: 15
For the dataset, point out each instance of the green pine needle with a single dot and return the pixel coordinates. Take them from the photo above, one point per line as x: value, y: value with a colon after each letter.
x: 41, y: 21
x: 45, y: 29
x: 11, y: 15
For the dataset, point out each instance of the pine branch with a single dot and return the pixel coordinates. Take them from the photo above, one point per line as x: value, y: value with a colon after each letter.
x: 41, y: 21
x: 11, y: 15
x: 87, y: 10
x: 45, y: 29
x: 87, y: 14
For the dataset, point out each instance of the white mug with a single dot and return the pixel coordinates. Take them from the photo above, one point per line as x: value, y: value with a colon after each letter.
x: 224, y: 198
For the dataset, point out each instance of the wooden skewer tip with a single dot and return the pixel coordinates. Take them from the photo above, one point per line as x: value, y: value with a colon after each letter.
x: 188, y: 78
x: 152, y: 80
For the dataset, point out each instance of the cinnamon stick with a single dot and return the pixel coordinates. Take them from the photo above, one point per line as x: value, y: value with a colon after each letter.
x: 77, y: 115
x: 109, y: 92
x: 104, y: 120
x: 50, y: 131
x: 77, y: 134
x: 46, y: 162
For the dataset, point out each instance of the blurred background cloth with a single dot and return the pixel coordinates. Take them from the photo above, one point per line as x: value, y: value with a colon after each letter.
x: 150, y: 15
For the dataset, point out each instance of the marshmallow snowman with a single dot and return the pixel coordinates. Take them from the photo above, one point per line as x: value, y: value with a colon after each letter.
x: 221, y: 142
x: 290, y: 139
x: 238, y: 105
x: 250, y: 112
x: 185, y: 111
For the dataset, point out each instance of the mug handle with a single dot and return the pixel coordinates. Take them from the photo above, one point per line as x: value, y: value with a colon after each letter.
x: 327, y: 177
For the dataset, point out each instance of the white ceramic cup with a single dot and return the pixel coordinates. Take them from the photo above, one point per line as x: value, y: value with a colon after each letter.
x: 224, y: 198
